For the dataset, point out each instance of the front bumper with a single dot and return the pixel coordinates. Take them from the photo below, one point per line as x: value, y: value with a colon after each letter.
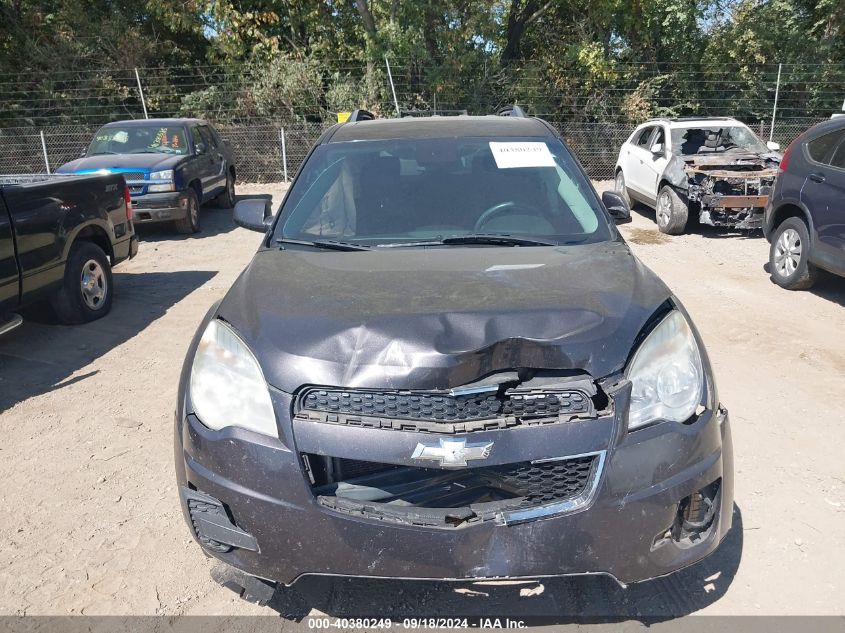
x: 159, y: 207
x: 620, y: 532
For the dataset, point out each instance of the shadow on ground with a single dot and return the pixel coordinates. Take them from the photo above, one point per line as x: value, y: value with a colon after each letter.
x: 828, y: 286
x: 39, y: 357
x: 552, y: 601
x: 213, y: 221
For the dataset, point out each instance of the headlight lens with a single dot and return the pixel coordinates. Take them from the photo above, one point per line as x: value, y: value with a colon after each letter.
x: 167, y: 175
x: 666, y: 373
x: 227, y: 386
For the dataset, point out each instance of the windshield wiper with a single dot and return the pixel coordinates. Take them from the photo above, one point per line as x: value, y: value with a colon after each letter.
x: 495, y: 239
x: 100, y: 153
x: 329, y: 245
x: 475, y: 238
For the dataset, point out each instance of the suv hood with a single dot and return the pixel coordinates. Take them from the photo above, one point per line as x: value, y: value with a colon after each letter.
x: 121, y: 162
x: 439, y: 318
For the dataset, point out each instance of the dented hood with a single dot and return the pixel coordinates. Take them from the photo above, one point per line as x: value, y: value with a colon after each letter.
x: 442, y: 317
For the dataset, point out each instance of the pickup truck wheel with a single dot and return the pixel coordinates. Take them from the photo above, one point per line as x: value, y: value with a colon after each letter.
x: 789, y: 256
x: 671, y: 212
x: 191, y: 222
x: 226, y: 200
x: 86, y: 292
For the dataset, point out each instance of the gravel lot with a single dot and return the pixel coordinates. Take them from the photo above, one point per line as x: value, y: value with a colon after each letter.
x: 91, y: 522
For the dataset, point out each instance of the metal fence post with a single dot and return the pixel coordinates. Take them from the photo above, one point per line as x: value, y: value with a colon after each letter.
x: 44, y: 150
x: 775, y: 109
x: 141, y: 92
x: 392, y: 89
x: 284, y: 153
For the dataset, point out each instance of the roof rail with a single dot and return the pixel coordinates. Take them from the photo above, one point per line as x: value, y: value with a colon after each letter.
x: 360, y: 115
x: 512, y: 110
x: 427, y: 113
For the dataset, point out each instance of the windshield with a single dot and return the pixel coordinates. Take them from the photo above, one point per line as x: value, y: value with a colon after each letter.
x: 402, y: 191
x: 692, y: 141
x: 146, y: 139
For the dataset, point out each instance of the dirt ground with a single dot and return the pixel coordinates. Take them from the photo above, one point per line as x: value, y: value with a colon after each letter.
x: 91, y: 523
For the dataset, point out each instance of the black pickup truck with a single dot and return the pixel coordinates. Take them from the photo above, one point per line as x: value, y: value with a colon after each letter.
x: 59, y: 238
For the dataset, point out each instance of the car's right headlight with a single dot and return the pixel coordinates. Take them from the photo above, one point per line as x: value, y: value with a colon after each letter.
x: 227, y: 385
x: 666, y: 373
x: 165, y: 178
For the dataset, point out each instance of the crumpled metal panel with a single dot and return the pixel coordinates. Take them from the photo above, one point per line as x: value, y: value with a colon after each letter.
x: 440, y: 318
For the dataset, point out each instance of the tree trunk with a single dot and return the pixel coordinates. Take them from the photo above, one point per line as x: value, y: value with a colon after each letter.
x: 521, y: 14
x: 363, y: 8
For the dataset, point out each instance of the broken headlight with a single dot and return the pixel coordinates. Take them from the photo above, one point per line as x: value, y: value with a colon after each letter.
x: 666, y: 373
x: 227, y: 386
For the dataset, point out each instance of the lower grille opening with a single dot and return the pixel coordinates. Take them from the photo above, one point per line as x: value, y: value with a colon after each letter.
x: 447, y: 498
x: 212, y: 523
x: 694, y: 517
x: 696, y: 513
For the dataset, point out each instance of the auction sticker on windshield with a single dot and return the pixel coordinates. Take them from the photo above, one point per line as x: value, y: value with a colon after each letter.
x: 521, y: 154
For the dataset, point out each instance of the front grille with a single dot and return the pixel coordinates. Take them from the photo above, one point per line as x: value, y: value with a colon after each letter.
x: 548, y: 482
x: 448, y: 498
x: 134, y: 175
x: 445, y: 407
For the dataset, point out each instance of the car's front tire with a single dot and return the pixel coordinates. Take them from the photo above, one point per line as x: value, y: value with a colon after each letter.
x: 226, y: 200
x: 86, y: 292
x: 191, y: 222
x: 789, y: 256
x: 672, y: 212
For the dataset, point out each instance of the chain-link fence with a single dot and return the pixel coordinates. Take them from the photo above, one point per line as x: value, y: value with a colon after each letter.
x: 267, y: 151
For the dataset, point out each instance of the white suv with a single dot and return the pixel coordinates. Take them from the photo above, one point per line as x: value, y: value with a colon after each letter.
x: 716, y: 167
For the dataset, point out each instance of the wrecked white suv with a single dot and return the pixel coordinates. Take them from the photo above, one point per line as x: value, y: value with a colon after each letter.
x: 716, y: 170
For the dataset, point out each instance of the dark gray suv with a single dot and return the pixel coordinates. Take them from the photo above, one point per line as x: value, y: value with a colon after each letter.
x: 805, y: 218
x: 444, y: 362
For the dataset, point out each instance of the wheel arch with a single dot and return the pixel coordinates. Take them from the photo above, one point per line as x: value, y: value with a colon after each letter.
x: 791, y: 210
x: 94, y: 233
x: 196, y: 185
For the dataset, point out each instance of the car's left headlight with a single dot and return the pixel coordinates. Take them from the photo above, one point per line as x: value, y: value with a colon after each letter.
x: 666, y: 373
x: 227, y: 385
x: 164, y: 175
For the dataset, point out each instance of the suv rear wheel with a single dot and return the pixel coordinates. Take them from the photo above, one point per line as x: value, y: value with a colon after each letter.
x: 86, y: 292
x: 621, y: 188
x: 671, y: 212
x: 789, y: 256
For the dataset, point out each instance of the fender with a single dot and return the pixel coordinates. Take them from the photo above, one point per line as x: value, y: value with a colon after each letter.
x: 795, y: 202
x: 75, y: 230
x: 675, y: 174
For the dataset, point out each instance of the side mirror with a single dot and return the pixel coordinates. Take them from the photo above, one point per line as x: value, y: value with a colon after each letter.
x: 254, y: 215
x: 773, y: 146
x: 200, y: 148
x: 82, y: 152
x: 657, y: 149
x: 616, y: 206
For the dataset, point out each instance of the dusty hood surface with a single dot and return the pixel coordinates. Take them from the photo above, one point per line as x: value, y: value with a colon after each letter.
x: 439, y: 318
x: 122, y: 162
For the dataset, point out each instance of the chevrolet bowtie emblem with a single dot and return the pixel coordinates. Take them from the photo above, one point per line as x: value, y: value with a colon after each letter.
x: 453, y: 452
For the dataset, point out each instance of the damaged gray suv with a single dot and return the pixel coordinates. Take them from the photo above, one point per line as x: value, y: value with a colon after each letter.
x: 444, y: 362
